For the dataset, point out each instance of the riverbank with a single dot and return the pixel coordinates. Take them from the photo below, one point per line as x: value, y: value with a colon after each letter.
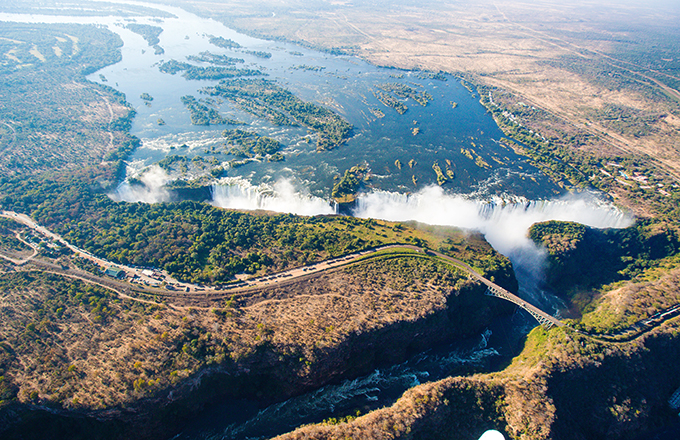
x: 179, y: 344
x: 277, y: 348
x: 534, y: 397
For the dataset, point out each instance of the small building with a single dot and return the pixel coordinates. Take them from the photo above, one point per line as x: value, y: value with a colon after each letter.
x: 115, y: 272
x: 674, y: 401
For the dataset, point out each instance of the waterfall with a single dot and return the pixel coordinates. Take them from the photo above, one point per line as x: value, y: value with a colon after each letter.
x: 151, y: 190
x: 504, y: 223
x: 282, y: 197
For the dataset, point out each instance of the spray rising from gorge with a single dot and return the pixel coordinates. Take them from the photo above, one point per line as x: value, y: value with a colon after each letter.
x: 446, y: 129
x: 282, y: 197
x: 504, y: 223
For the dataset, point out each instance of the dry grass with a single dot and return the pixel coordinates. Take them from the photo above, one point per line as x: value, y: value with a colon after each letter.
x: 71, y: 134
x: 539, y: 396
x: 50, y: 116
x: 64, y: 351
x: 623, y: 304
x: 536, y: 51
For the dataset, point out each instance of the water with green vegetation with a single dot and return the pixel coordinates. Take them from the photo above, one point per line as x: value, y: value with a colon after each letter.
x: 328, y: 112
x: 277, y: 126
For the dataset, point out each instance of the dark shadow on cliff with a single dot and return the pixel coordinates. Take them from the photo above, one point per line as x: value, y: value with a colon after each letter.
x: 581, y: 258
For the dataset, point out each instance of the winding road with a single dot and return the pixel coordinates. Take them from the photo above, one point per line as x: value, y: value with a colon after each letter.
x: 25, y: 260
x: 200, y: 294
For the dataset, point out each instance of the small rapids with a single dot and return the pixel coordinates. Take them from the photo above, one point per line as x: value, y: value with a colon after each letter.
x: 446, y: 133
x: 380, y: 388
x: 504, y: 223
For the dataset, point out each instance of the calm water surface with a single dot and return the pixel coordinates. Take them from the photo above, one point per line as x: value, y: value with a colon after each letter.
x: 345, y: 85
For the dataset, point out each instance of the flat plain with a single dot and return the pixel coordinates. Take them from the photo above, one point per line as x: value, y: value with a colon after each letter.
x: 602, y: 80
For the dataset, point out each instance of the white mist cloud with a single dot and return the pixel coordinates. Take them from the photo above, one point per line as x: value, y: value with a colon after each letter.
x: 505, y: 225
x: 283, y: 197
x: 153, y: 191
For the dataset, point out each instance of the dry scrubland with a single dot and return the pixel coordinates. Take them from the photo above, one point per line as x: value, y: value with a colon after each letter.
x: 597, y: 92
x: 541, y: 395
x: 78, y: 346
x: 603, y: 99
x: 52, y: 119
x: 610, y: 383
x: 70, y: 345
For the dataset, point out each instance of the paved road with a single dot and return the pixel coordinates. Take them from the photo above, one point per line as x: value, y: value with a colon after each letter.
x: 27, y: 221
x: 637, y: 329
x: 206, y: 296
x: 497, y: 291
x: 198, y: 292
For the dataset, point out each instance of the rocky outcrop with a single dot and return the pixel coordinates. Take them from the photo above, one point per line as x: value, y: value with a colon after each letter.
x: 274, y: 369
x: 563, y: 386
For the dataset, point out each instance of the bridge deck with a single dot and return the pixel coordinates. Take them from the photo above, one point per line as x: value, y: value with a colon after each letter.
x: 542, y: 317
x: 493, y: 289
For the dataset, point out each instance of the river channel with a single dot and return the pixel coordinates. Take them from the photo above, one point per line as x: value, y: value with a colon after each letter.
x: 463, y: 139
x: 492, y: 190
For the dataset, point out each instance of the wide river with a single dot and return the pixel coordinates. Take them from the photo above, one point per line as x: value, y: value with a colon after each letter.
x: 494, y: 190
x: 453, y: 129
x: 465, y: 136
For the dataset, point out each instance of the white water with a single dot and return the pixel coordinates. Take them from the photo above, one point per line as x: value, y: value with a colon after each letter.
x: 153, y: 191
x: 380, y: 386
x: 504, y: 223
x: 282, y: 197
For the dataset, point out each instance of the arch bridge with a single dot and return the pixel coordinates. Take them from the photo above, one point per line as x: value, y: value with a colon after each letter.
x: 543, y: 318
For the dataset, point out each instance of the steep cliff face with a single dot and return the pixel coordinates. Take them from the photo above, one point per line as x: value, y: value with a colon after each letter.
x: 584, y: 257
x: 197, y: 194
x: 602, y: 389
x: 620, y: 394
x: 298, y: 338
x: 563, y: 386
